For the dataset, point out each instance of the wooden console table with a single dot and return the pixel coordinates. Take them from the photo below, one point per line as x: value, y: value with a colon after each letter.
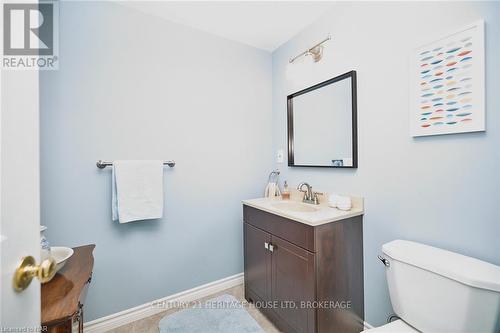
x: 64, y: 295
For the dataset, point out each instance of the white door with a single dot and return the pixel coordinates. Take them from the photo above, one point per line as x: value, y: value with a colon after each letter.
x: 19, y: 197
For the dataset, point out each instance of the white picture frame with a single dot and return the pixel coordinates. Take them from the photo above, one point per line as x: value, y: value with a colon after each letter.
x: 447, y: 84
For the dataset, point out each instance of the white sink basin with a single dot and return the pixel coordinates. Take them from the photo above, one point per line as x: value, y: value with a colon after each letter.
x: 295, y: 207
x: 60, y: 254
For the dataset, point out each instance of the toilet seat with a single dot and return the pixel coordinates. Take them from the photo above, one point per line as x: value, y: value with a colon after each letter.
x: 397, y: 326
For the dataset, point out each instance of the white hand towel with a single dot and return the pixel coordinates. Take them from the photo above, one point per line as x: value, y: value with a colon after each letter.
x: 137, y: 190
x: 333, y: 200
x: 344, y: 203
x: 340, y: 202
x: 272, y: 190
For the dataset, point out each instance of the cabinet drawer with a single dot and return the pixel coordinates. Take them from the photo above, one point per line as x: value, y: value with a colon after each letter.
x: 295, y: 232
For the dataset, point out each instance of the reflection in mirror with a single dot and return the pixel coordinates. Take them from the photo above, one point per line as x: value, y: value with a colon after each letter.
x: 322, y: 124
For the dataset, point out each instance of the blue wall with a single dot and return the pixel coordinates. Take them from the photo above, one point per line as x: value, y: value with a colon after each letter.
x: 440, y: 190
x: 133, y: 86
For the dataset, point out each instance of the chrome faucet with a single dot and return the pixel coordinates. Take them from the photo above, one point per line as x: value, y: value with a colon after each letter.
x: 309, y: 196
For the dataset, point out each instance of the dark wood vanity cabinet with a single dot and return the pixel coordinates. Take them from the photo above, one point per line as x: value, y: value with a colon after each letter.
x: 305, y: 278
x: 63, y: 297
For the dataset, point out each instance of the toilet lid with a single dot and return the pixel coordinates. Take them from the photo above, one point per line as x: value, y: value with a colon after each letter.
x: 398, y: 326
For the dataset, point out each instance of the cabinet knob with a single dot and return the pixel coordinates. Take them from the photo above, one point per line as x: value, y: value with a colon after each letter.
x: 271, y: 247
x: 266, y: 245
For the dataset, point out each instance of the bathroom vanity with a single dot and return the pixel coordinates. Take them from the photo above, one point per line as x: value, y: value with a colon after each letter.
x: 304, y: 264
x: 63, y: 297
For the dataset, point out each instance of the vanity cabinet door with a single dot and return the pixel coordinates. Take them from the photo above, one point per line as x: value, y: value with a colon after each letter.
x: 257, y: 262
x: 293, y: 284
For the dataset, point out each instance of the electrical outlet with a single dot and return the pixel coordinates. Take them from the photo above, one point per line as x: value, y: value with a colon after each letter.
x: 280, y: 156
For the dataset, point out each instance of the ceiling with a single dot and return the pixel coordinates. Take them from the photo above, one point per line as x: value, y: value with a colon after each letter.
x: 261, y: 24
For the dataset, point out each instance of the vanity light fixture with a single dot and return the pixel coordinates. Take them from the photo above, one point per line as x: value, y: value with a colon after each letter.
x: 315, y: 51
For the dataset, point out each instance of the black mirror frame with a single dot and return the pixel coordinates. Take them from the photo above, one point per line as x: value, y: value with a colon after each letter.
x: 352, y: 75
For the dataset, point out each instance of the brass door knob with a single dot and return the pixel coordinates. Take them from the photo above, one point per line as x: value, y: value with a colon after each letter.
x: 28, y: 269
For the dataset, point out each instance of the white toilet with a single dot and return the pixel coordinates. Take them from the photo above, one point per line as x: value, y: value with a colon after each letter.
x: 434, y: 290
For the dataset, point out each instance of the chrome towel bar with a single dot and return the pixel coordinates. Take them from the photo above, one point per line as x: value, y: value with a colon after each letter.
x: 102, y: 164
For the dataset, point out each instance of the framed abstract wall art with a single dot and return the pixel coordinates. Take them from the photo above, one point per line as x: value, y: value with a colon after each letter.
x: 447, y: 85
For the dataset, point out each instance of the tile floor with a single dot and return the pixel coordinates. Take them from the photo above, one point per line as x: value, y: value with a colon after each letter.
x: 150, y: 324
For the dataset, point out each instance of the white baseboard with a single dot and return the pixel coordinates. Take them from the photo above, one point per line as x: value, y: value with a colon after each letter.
x: 367, y: 326
x: 145, y: 310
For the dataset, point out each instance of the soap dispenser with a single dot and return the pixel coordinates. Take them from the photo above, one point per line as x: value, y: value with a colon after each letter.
x: 286, y: 192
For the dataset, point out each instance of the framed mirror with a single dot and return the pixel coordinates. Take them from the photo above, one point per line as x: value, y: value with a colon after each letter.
x: 322, y: 124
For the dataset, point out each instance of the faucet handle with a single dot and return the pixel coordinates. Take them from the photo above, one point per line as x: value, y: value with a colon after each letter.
x: 315, y: 197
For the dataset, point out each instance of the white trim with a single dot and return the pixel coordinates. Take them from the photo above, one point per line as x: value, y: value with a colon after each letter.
x: 145, y: 310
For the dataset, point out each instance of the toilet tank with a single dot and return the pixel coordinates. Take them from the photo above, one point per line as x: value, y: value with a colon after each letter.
x: 435, y: 290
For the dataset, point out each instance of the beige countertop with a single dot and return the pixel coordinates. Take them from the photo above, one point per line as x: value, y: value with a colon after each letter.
x: 322, y: 213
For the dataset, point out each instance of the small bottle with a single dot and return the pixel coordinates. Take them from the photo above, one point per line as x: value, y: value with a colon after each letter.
x: 286, y: 192
x: 44, y: 244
